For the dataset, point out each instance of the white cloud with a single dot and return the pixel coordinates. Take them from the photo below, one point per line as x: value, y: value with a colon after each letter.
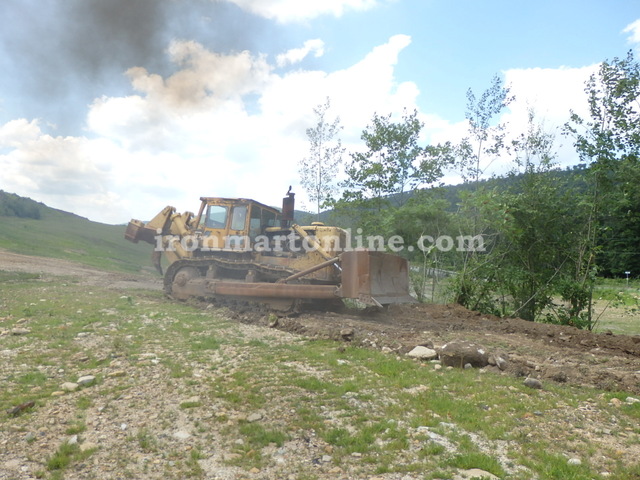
x: 285, y: 11
x: 220, y: 125
x: 633, y: 29
x: 70, y: 173
x: 552, y: 93
x: 296, y: 55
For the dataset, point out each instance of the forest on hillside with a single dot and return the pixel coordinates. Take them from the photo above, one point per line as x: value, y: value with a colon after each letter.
x: 12, y: 205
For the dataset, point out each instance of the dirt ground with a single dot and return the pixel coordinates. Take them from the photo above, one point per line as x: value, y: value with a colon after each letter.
x: 548, y: 352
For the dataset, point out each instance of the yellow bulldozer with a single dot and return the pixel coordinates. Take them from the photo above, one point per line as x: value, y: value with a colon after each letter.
x: 240, y: 250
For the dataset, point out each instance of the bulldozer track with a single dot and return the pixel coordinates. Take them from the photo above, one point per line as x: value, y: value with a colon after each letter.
x: 239, y: 265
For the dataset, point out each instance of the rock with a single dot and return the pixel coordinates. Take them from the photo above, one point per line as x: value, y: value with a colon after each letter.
x: 326, y: 458
x: 272, y: 320
x: 458, y: 353
x: 423, y: 353
x: 347, y: 334
x: 69, y: 386
x: 616, y: 402
x: 474, y: 473
x: 72, y: 440
x: 632, y: 400
x: 501, y: 363
x: 116, y: 373
x: 467, y: 366
x: 181, y: 435
x: 532, y: 383
x: 86, y: 380
x: 20, y: 331
x: 12, y: 464
x: 254, y: 417
x: 574, y: 461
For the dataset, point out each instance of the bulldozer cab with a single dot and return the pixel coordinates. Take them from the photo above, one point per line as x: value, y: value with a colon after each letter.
x: 234, y: 223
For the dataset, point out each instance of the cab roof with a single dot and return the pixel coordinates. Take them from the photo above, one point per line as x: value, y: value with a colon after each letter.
x: 237, y: 201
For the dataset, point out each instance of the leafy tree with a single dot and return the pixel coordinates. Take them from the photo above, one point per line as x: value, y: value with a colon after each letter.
x: 485, y: 139
x: 609, y: 143
x: 474, y: 154
x: 546, y: 253
x: 533, y: 229
x: 318, y: 171
x: 379, y: 178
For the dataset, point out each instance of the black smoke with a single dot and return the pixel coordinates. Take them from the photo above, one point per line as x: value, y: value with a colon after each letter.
x: 69, y: 52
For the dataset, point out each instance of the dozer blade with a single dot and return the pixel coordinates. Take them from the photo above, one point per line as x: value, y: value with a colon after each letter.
x: 375, y: 278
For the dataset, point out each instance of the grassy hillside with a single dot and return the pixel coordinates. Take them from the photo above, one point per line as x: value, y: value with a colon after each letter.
x: 48, y: 232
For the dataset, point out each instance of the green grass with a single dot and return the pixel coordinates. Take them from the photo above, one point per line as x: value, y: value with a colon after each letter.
x: 65, y: 455
x: 372, y: 412
x: 619, y: 302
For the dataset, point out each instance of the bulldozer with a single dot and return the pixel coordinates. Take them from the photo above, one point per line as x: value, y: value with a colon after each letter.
x: 240, y: 251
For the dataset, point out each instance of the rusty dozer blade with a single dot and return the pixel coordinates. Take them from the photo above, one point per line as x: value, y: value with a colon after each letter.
x: 375, y: 278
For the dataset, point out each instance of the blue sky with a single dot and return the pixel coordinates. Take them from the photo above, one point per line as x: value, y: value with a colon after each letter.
x: 113, y: 109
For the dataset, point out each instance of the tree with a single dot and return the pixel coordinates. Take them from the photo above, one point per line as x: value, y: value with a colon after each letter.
x: 378, y: 179
x: 318, y: 171
x: 609, y: 143
x: 484, y: 140
x: 479, y: 206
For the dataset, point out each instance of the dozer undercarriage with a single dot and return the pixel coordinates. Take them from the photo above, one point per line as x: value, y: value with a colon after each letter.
x: 239, y: 250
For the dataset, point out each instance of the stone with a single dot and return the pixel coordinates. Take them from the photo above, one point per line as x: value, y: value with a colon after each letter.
x: 347, y: 334
x: 116, y: 373
x: 423, y: 353
x: 632, y: 400
x: 69, y: 386
x: 474, y: 473
x: 532, y: 383
x: 459, y: 352
x: 86, y: 380
x: 616, y: 402
x: 181, y: 435
x: 574, y: 461
x: 20, y: 331
x: 12, y: 464
x: 254, y: 417
x: 501, y: 363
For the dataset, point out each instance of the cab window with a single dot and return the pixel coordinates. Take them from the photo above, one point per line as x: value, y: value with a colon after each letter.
x: 238, y: 218
x: 268, y: 219
x: 255, y: 223
x: 216, y: 216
